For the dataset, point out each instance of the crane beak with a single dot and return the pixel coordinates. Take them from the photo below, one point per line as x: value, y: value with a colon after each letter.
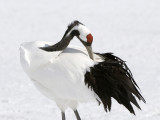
x: 90, y: 52
x: 88, y: 47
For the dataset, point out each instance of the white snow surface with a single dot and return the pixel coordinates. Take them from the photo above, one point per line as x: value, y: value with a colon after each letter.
x: 128, y: 28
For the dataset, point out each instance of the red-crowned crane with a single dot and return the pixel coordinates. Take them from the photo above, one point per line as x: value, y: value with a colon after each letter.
x: 70, y: 74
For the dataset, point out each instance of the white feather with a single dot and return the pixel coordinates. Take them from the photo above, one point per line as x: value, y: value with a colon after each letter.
x: 83, y: 30
x: 58, y: 75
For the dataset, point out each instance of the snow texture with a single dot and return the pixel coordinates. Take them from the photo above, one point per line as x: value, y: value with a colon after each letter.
x: 128, y: 28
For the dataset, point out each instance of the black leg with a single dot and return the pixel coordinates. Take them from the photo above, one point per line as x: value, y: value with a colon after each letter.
x: 77, y: 115
x: 63, y: 115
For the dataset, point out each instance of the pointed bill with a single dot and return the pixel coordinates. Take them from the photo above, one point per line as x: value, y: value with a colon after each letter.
x: 90, y: 52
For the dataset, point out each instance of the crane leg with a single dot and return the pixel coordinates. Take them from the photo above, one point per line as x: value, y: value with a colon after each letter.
x: 63, y: 115
x: 77, y: 115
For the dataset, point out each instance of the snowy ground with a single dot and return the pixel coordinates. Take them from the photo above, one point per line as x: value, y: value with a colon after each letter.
x: 128, y: 28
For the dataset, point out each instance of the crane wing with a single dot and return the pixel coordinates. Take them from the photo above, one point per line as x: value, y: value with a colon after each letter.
x: 113, y: 79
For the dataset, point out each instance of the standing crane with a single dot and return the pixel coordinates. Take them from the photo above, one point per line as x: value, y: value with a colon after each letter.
x: 70, y: 75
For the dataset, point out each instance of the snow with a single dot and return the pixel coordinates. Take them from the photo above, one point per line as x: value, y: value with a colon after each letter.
x: 130, y: 29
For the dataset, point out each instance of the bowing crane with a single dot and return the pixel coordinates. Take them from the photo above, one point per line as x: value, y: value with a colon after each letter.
x: 70, y: 74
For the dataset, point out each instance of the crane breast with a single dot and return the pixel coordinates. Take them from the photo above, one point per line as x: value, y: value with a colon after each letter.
x: 59, y: 72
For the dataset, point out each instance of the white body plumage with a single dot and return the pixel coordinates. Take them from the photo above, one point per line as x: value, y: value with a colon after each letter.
x: 59, y: 75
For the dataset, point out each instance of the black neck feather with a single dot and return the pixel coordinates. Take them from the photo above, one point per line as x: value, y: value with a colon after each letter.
x: 61, y: 45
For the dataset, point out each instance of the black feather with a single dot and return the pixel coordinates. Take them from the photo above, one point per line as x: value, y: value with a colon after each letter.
x: 113, y: 79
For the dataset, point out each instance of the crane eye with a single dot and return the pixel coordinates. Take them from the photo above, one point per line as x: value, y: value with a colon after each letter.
x: 89, y: 38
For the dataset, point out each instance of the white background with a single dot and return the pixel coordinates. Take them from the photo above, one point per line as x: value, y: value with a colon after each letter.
x: 128, y: 28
